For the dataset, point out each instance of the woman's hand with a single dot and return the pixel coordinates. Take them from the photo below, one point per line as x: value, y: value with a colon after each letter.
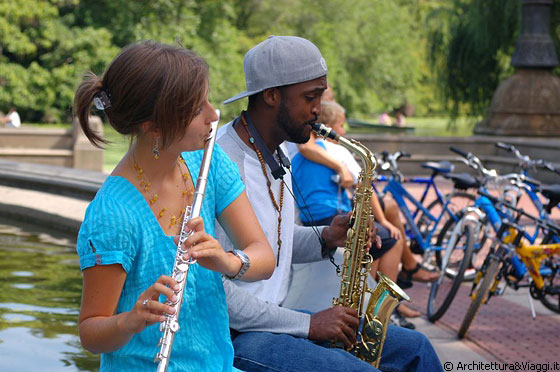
x: 346, y: 181
x: 208, y: 251
x: 148, y: 310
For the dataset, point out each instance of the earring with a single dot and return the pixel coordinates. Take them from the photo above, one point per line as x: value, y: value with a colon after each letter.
x: 156, y: 150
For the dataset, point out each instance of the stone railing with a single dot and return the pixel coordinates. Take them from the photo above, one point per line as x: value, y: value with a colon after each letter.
x: 60, y: 147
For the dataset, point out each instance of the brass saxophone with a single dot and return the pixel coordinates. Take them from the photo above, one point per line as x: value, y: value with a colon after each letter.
x: 357, y: 263
x: 181, y: 266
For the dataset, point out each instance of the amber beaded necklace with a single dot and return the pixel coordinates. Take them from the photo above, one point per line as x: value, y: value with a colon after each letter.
x: 146, y: 185
x: 277, y: 205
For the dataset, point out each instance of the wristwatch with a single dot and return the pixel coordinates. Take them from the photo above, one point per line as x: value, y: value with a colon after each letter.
x: 245, y: 264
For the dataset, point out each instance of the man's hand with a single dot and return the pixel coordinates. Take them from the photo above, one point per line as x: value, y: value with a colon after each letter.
x: 335, y: 234
x: 338, y: 323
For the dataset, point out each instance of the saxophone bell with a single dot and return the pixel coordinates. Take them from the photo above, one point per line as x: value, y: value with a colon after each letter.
x: 382, y: 302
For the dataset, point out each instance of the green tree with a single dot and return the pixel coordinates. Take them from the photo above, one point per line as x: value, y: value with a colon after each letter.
x: 372, y: 47
x: 43, y: 54
x: 375, y: 49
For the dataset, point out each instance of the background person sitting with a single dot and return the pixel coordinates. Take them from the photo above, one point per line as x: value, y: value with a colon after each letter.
x: 386, y: 212
x: 384, y: 118
x: 12, y: 119
x: 400, y: 120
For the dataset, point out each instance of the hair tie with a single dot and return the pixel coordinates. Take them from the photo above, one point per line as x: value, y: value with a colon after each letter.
x: 101, y: 100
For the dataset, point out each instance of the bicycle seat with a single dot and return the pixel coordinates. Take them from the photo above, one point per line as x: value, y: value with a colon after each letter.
x: 552, y: 192
x: 443, y: 166
x: 463, y: 181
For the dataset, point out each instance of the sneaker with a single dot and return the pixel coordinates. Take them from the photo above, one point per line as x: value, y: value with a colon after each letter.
x: 399, y: 320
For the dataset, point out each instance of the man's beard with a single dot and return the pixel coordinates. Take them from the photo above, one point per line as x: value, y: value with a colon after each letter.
x: 296, y: 133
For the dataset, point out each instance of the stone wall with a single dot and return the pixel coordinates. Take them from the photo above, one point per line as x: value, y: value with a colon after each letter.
x: 60, y: 147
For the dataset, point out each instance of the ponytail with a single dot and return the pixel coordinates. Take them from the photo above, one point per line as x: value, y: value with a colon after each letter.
x: 90, y: 86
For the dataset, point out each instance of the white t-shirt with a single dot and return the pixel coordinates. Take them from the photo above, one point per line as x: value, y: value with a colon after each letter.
x: 274, y: 289
x: 14, y: 120
x: 342, y: 153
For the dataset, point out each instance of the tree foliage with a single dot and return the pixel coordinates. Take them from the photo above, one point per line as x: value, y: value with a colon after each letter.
x: 375, y: 49
x: 43, y: 54
x: 470, y: 47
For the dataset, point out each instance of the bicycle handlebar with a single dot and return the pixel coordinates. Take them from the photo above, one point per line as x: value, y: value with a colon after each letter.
x: 460, y: 152
x: 391, y: 161
x: 505, y: 146
x: 525, y: 161
x: 520, y: 211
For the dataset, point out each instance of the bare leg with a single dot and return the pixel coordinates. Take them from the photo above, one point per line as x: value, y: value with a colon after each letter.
x: 389, y: 262
x: 392, y: 213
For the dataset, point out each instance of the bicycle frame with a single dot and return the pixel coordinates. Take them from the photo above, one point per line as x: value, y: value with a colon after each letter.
x: 533, y: 255
x: 399, y: 194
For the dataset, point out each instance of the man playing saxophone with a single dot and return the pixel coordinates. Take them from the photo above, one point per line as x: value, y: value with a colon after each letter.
x: 286, y: 77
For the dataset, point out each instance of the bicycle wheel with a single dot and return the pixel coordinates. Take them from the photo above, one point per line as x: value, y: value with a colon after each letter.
x: 457, y: 201
x: 444, y: 289
x: 552, y: 300
x: 481, y: 295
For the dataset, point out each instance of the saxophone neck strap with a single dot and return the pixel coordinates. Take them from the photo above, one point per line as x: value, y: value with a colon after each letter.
x: 276, y: 169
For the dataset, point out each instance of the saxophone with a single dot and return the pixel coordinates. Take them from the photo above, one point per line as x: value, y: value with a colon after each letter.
x: 181, y: 266
x: 357, y: 263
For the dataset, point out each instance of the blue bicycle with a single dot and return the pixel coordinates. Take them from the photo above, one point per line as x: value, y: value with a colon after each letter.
x: 422, y: 222
x: 485, y: 218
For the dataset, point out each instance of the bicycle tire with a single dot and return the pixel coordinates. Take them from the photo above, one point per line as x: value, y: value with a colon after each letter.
x: 545, y: 300
x: 478, y: 242
x: 425, y: 224
x: 434, y: 311
x: 486, y: 282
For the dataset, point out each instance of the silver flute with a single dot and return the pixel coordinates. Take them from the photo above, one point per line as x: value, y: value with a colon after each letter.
x: 181, y: 266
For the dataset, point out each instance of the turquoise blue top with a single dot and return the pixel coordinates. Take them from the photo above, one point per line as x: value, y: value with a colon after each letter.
x: 316, y: 189
x: 119, y: 227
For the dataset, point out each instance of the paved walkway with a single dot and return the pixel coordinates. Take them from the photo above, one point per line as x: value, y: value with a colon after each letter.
x: 502, y: 332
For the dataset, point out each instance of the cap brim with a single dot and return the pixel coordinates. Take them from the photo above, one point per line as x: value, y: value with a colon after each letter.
x: 237, y: 97
x: 244, y: 94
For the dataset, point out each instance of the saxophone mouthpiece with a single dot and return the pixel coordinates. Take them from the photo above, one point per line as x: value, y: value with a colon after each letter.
x: 324, y: 131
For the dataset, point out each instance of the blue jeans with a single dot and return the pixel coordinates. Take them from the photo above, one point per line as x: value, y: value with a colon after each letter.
x: 404, y: 350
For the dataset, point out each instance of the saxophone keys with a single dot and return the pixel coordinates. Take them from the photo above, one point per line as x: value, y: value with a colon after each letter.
x: 373, y: 329
x: 369, y: 351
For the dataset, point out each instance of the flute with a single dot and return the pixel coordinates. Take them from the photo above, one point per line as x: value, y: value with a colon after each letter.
x: 181, y: 266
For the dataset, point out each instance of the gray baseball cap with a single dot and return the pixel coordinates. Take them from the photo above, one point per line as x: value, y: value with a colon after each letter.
x: 278, y: 61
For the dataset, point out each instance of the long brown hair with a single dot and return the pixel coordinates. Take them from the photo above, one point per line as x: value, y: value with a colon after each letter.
x: 147, y: 81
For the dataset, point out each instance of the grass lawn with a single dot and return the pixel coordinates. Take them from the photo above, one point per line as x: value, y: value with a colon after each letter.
x: 114, y: 150
x: 434, y: 126
x: 431, y: 126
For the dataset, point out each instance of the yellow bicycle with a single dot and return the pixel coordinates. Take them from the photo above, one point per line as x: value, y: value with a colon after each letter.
x: 511, y: 259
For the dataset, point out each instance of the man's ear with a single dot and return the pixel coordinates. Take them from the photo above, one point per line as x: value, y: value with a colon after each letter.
x: 272, y: 96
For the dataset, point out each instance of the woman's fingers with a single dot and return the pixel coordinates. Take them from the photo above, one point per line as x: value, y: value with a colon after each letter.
x: 196, y: 224
x: 157, y: 308
x: 197, y: 238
